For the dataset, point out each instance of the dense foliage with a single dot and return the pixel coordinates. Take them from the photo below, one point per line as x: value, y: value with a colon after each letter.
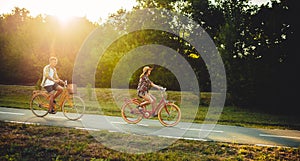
x: 257, y: 45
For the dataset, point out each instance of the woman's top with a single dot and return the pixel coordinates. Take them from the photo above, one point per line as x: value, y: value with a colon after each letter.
x: 144, y: 84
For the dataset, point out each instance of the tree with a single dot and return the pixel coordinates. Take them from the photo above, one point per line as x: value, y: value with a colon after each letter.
x: 28, y: 42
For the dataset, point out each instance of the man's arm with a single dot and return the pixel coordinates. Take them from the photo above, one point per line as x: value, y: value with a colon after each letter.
x: 46, y: 73
x: 56, y: 75
x: 57, y: 78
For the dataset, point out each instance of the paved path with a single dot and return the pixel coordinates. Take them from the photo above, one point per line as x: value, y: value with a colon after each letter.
x: 203, y: 132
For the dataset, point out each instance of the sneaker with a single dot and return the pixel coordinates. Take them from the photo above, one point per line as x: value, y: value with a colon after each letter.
x: 140, y: 108
x: 155, y: 115
x: 52, y: 111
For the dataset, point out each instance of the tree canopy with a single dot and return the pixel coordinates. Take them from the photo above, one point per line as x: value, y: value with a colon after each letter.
x: 257, y: 45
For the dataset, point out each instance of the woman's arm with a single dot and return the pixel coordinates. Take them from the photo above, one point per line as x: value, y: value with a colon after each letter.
x: 156, y: 86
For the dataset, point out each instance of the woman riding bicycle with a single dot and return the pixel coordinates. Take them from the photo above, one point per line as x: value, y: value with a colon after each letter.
x: 143, y: 89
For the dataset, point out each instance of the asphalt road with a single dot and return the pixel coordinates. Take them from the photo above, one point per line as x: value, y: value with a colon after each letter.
x: 219, y: 133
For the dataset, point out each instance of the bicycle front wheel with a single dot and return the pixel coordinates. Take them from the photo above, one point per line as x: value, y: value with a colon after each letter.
x: 130, y: 113
x: 169, y: 115
x: 73, y: 108
x: 39, y: 105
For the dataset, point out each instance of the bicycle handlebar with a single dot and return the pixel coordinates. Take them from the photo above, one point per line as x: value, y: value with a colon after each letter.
x: 65, y: 83
x: 163, y: 89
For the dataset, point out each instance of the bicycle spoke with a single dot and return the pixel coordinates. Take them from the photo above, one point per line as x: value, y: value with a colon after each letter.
x: 73, y: 108
x: 39, y: 105
x: 169, y: 115
x: 130, y: 113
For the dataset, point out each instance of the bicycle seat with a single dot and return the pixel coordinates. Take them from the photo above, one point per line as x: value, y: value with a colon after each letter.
x: 39, y: 91
x: 139, y: 99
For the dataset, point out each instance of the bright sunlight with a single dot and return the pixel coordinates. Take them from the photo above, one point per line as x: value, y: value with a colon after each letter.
x: 94, y: 10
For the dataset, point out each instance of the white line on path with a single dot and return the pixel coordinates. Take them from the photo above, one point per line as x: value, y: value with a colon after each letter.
x: 21, y: 122
x: 123, y: 123
x: 194, y: 129
x: 172, y: 137
x: 143, y: 125
x: 267, y: 145
x: 12, y: 113
x: 61, y: 117
x: 280, y: 136
x: 114, y: 122
x: 89, y: 129
x: 197, y: 139
x: 93, y: 129
x: 58, y: 117
x: 180, y: 137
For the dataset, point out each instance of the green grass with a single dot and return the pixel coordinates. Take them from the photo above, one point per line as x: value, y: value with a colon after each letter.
x: 30, y: 142
x: 104, y: 102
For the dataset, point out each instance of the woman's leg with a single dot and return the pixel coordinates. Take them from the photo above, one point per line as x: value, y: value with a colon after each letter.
x: 153, y: 102
x: 149, y: 99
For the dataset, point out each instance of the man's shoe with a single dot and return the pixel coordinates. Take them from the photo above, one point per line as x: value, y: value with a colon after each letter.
x: 52, y: 111
x: 155, y: 115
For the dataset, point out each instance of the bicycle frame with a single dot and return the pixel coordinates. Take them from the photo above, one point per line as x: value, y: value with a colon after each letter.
x: 167, y: 112
x: 64, y: 96
x: 147, y: 113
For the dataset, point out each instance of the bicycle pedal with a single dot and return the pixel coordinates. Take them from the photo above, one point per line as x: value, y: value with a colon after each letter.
x: 154, y: 115
x: 140, y: 108
x: 146, y: 114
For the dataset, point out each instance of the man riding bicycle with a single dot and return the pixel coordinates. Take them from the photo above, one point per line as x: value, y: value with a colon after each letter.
x: 50, y: 82
x: 143, y: 89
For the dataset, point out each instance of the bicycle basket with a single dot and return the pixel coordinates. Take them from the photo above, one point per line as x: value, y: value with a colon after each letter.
x: 72, y: 88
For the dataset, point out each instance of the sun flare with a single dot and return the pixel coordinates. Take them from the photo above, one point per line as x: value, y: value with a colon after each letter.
x: 63, y: 18
x: 65, y: 10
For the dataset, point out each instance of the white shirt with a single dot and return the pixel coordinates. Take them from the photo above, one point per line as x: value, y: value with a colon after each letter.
x: 51, y: 73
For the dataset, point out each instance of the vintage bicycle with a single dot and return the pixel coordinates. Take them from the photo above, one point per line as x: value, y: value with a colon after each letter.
x: 168, y: 113
x: 72, y: 106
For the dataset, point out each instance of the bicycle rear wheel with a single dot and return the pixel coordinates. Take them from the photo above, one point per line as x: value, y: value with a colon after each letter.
x: 73, y: 108
x: 130, y: 113
x: 169, y: 115
x: 39, y: 105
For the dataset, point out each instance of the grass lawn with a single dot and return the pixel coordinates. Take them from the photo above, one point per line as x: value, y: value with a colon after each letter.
x: 30, y: 142
x: 103, y: 102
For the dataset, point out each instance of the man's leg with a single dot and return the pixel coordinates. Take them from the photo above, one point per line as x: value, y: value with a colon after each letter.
x: 59, y: 90
x: 51, y: 95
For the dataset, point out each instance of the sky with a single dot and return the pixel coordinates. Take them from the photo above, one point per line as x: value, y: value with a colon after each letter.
x: 64, y: 9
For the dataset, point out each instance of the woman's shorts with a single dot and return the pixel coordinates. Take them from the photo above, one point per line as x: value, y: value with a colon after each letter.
x: 141, y: 93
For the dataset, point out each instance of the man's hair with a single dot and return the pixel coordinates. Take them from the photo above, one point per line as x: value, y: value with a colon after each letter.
x: 52, y: 58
